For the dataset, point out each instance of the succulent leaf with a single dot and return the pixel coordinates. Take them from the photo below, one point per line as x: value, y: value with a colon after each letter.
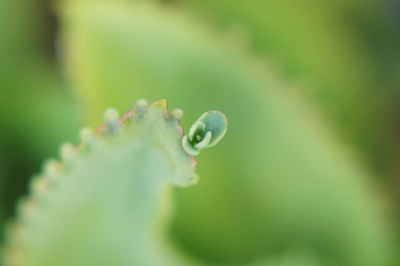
x: 107, y: 198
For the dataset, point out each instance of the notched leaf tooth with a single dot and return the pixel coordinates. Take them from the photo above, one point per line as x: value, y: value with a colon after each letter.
x: 160, y: 105
x: 86, y: 136
x: 141, y: 106
x: 141, y: 103
x: 51, y: 168
x: 38, y: 186
x: 139, y: 111
x: 111, y: 117
x: 67, y: 152
x: 177, y: 114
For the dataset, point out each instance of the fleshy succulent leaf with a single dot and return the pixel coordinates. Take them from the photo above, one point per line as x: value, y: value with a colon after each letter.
x: 110, y: 191
x: 216, y: 123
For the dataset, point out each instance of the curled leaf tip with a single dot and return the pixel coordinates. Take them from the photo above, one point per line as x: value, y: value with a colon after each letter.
x: 206, y: 132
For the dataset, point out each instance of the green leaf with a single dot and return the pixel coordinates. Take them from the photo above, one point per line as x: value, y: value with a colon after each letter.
x: 280, y: 176
x: 335, y: 61
x: 105, y: 202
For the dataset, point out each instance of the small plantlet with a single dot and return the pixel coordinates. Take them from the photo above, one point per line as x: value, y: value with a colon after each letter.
x: 206, y: 132
x: 105, y: 202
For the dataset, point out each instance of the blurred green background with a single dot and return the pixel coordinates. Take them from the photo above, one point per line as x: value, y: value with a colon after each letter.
x: 309, y: 171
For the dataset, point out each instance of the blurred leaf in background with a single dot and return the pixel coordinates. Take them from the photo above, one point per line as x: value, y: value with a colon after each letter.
x: 344, y: 52
x: 278, y: 180
x: 36, y: 113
